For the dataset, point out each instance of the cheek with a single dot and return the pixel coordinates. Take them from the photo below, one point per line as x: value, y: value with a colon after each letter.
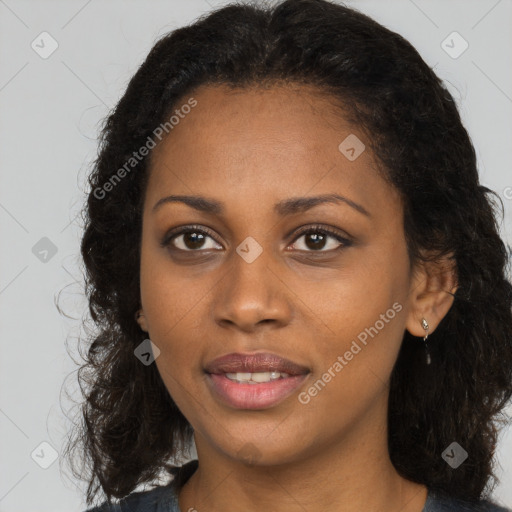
x: 172, y: 308
x: 166, y: 291
x: 360, y: 314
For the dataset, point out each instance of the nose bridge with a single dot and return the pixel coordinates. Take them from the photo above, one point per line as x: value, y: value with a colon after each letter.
x: 250, y: 291
x: 249, y: 266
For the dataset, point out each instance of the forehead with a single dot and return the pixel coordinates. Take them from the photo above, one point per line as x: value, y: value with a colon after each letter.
x: 294, y: 121
x: 282, y: 141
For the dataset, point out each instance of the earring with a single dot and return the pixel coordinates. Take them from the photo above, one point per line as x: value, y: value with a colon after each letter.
x: 424, y: 324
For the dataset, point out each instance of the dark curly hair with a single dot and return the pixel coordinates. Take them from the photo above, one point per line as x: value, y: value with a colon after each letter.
x: 130, y: 427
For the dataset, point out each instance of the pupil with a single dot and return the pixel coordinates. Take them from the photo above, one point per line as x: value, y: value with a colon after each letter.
x: 193, y: 240
x: 317, y: 238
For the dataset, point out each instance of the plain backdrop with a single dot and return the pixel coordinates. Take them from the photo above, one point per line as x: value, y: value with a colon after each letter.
x: 51, y: 107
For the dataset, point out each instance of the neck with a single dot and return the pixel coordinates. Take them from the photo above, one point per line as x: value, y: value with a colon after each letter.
x: 352, y: 474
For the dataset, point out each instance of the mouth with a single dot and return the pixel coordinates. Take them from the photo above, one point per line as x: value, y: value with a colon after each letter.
x: 254, y: 363
x: 254, y: 381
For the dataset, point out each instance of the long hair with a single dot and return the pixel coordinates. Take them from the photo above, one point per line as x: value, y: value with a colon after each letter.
x: 130, y: 426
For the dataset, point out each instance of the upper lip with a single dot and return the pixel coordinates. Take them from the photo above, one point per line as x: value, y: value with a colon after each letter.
x: 249, y: 363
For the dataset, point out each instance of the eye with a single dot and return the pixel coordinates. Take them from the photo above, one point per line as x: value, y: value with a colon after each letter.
x: 195, y: 239
x: 190, y: 239
x: 316, y: 239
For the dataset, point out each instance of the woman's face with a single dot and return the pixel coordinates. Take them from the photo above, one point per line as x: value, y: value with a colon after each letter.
x: 244, y: 278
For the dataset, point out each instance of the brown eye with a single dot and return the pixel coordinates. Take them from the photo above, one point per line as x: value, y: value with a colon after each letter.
x: 191, y: 240
x: 317, y: 239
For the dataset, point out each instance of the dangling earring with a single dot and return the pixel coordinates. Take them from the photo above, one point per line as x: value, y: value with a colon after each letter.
x: 424, y: 324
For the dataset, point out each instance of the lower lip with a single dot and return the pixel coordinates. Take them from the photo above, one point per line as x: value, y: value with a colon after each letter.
x: 253, y: 396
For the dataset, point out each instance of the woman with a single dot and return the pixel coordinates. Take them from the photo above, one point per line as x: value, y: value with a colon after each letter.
x: 290, y: 259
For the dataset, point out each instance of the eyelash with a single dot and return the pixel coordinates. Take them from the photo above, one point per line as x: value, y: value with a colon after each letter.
x: 168, y: 238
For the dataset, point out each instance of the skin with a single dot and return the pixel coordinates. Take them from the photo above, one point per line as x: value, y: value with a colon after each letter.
x: 250, y: 149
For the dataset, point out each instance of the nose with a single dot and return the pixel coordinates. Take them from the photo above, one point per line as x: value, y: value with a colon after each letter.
x: 251, y: 295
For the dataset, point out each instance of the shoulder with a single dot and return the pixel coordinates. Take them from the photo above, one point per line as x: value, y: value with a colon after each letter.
x: 439, y: 503
x: 155, y: 500
x: 163, y: 498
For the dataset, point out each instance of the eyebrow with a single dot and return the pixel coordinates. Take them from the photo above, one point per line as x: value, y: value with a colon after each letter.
x: 283, y: 208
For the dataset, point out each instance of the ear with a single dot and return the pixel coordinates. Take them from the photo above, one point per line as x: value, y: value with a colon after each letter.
x: 431, y: 294
x: 141, y: 320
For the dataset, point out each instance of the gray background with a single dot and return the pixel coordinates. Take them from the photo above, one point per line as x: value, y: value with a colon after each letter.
x: 50, y: 110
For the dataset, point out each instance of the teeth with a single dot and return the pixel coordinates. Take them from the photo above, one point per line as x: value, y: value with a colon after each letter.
x: 256, y: 377
x: 241, y: 376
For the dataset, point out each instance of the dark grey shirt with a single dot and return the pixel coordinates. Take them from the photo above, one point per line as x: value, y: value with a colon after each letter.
x: 165, y: 499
